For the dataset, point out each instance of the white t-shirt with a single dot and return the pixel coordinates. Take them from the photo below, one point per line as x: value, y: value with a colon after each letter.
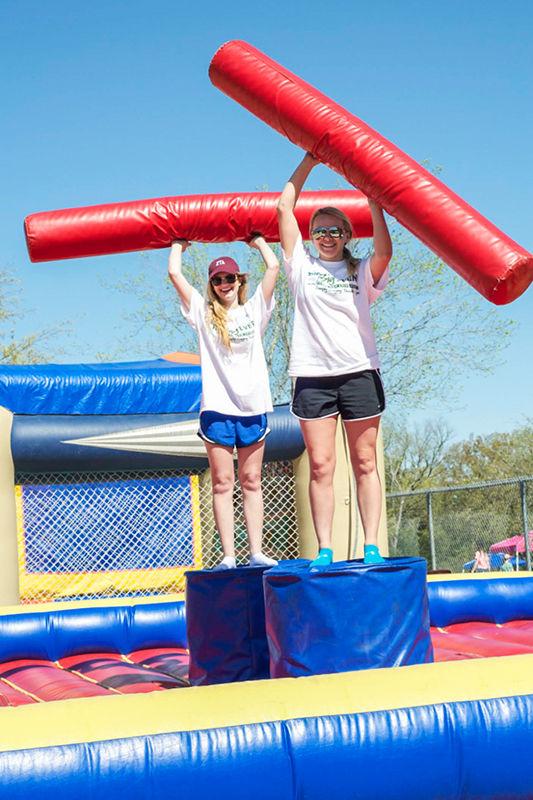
x: 332, y: 333
x: 233, y: 381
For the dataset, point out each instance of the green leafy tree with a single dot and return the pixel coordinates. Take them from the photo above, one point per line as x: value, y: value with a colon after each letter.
x: 488, y: 514
x: 465, y: 519
x: 492, y: 457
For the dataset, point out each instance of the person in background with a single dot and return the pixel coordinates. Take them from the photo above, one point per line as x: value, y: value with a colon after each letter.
x: 507, y: 565
x: 481, y: 560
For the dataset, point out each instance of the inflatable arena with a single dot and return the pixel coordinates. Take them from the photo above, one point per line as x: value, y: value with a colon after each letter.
x: 128, y: 667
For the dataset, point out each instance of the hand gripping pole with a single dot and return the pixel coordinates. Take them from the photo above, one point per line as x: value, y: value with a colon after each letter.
x: 484, y: 256
x: 151, y: 224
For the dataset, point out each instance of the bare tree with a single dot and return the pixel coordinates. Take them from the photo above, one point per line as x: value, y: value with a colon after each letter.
x: 414, y: 459
x: 30, y: 349
x: 432, y: 328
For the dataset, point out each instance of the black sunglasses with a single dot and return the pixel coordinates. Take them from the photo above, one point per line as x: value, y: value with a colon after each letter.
x: 218, y: 279
x: 334, y: 231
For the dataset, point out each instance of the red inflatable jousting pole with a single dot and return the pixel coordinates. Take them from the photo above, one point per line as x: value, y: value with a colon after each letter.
x: 150, y: 224
x: 484, y: 256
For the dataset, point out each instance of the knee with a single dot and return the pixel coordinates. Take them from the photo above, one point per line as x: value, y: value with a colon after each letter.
x: 222, y: 483
x: 250, y: 481
x: 364, y: 463
x: 322, y: 469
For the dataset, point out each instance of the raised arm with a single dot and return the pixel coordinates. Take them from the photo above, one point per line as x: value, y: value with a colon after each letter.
x: 271, y: 266
x: 382, y: 242
x: 288, y: 226
x: 181, y: 284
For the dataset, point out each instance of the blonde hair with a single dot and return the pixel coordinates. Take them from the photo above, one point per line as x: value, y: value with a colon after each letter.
x: 348, y: 256
x: 217, y: 313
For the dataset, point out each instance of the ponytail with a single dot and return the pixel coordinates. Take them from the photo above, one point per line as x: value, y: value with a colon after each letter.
x: 351, y: 261
x: 217, y: 313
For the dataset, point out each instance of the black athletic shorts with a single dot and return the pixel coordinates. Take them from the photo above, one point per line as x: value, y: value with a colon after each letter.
x: 358, y: 395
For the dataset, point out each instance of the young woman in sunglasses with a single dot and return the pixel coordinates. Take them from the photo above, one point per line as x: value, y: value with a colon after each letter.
x: 235, y: 388
x: 333, y: 355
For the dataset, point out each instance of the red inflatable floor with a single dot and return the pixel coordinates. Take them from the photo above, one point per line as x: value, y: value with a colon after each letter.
x: 92, y: 674
x: 482, y: 640
x: 95, y: 674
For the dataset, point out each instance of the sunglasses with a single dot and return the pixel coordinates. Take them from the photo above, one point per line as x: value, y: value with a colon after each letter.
x: 334, y: 231
x: 218, y: 280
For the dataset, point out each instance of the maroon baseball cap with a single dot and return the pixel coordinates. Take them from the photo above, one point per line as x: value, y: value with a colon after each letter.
x: 223, y: 264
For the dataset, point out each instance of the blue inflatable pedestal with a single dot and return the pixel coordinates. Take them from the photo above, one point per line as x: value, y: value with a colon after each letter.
x: 347, y: 616
x: 226, y: 626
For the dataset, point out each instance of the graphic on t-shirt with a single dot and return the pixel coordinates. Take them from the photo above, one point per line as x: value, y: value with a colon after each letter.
x: 234, y: 379
x: 324, y: 282
x: 241, y: 330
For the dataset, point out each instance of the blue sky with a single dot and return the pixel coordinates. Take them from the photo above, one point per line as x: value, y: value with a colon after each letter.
x: 110, y: 101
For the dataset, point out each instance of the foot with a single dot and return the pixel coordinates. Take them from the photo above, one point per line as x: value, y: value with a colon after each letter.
x: 261, y: 560
x: 323, y: 559
x: 372, y: 555
x: 228, y: 562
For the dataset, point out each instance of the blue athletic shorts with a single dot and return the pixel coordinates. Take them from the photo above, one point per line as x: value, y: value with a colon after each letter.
x: 231, y: 431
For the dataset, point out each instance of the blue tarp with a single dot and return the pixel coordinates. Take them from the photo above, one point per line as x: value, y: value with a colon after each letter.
x: 135, y: 387
x: 226, y: 626
x: 347, y: 616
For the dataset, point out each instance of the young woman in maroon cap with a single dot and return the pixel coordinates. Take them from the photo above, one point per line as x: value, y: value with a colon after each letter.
x: 235, y: 388
x: 333, y: 354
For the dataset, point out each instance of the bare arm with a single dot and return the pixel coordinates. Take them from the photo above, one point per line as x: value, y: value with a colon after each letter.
x: 288, y: 227
x: 181, y: 284
x: 382, y: 242
x: 271, y: 266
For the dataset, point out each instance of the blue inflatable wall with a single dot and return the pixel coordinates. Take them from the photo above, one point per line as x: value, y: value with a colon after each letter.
x: 489, y: 598
x: 137, y: 415
x: 132, y: 387
x: 452, y: 730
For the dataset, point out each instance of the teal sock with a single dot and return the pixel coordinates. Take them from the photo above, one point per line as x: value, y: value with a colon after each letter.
x: 323, y: 559
x: 372, y: 555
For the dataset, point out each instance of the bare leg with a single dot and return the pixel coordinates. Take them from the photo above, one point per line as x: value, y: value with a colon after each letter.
x: 250, y: 461
x: 362, y: 437
x: 222, y: 479
x: 319, y: 437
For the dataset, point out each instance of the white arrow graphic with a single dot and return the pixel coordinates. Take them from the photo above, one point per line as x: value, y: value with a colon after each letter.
x: 174, y: 439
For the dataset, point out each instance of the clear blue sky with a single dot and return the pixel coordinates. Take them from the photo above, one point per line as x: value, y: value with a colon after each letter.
x: 110, y: 100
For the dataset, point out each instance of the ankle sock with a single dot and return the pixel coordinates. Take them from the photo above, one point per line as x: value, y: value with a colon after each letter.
x: 228, y: 562
x: 261, y: 560
x: 372, y: 555
x: 323, y: 559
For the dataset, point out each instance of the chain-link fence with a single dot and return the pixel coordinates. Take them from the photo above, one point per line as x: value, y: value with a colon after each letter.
x: 448, y: 525
x: 116, y: 534
x: 280, y: 527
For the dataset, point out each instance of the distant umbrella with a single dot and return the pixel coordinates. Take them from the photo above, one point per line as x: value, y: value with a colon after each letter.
x: 516, y: 544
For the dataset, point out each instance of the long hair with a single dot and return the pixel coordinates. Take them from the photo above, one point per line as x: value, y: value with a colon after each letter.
x: 217, y: 313
x: 348, y: 256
